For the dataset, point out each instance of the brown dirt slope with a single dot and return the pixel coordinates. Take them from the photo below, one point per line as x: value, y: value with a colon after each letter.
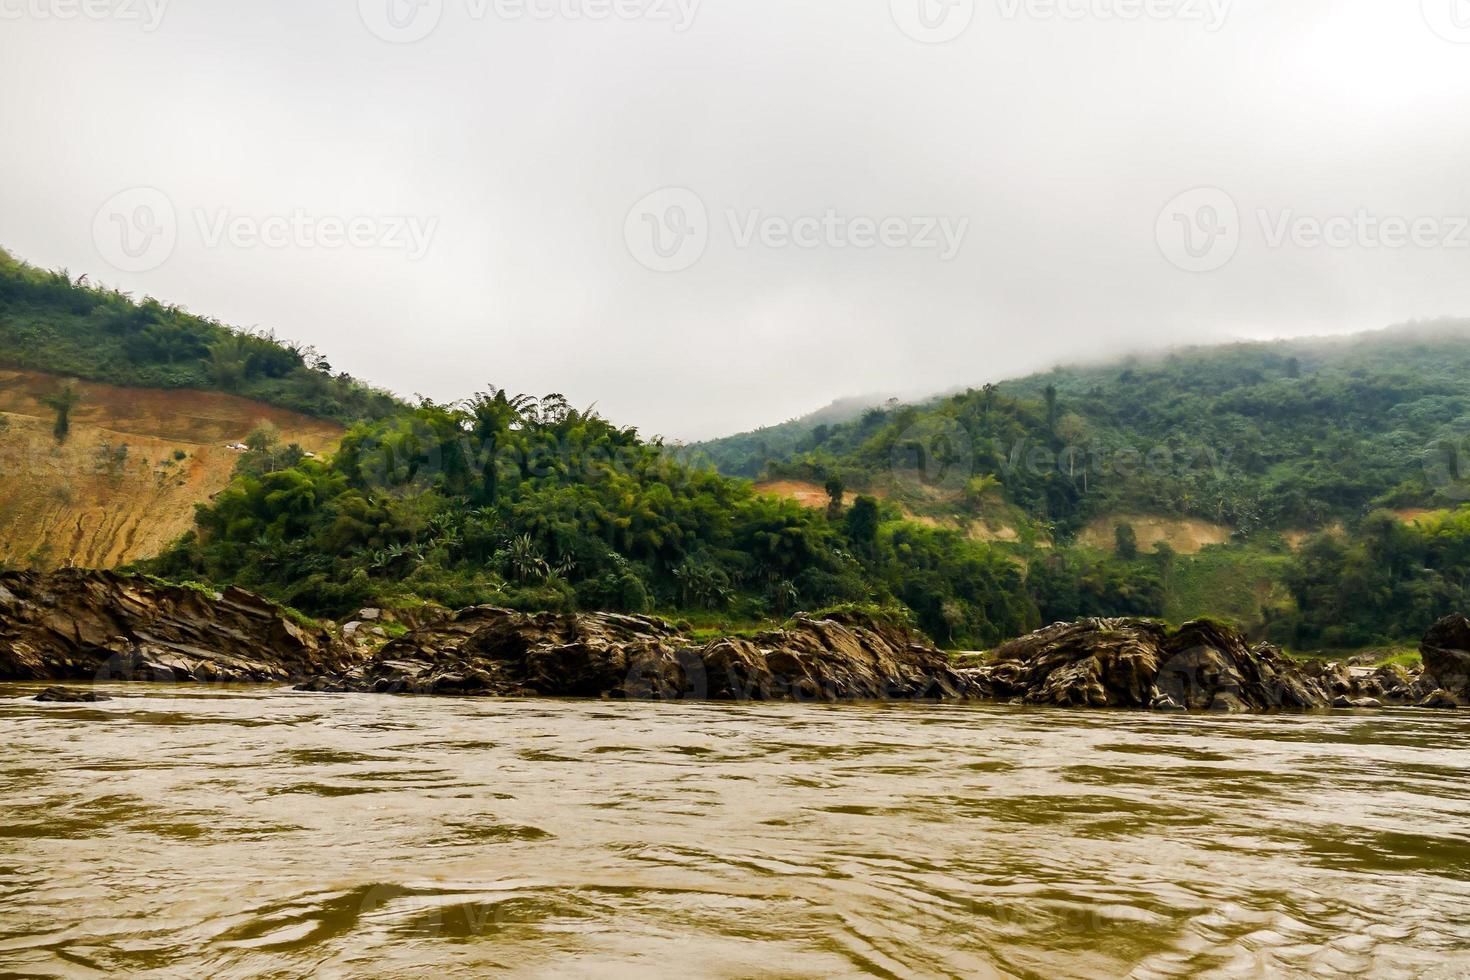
x: 88, y: 503
x: 1187, y: 536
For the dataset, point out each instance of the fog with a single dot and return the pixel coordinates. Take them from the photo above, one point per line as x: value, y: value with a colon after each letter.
x: 708, y: 216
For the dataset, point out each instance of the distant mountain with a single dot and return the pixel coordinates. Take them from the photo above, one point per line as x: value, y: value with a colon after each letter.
x: 1285, y: 435
x: 746, y: 454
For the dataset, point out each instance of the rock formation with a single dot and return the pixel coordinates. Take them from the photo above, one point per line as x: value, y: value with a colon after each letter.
x: 75, y: 624
x: 65, y: 695
x: 1446, y: 652
x: 496, y: 652
x: 1140, y: 664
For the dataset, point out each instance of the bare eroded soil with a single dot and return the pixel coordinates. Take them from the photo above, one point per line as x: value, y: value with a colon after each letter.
x: 87, y: 501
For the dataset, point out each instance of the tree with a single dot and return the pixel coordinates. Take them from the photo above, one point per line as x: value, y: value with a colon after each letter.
x: 862, y: 523
x: 1051, y: 409
x: 835, y: 490
x: 524, y: 561
x: 62, y: 402
x: 263, y: 438
x: 1126, y: 540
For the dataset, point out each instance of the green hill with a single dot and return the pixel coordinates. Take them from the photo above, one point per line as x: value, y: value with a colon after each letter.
x: 1261, y: 445
x: 1287, y: 435
x: 1309, y: 491
x: 52, y: 322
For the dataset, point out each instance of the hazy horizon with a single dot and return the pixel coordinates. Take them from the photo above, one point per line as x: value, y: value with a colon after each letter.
x: 707, y: 218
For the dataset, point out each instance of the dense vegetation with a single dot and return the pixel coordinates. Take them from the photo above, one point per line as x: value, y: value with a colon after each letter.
x: 533, y: 504
x: 1262, y: 439
x: 969, y: 508
x: 1283, y: 435
x: 54, y: 323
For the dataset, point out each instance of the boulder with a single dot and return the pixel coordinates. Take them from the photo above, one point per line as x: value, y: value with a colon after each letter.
x: 1441, y: 699
x: 839, y: 658
x: 66, y: 695
x: 1343, y: 702
x: 485, y: 651
x: 73, y: 624
x: 1446, y: 652
x: 1141, y: 664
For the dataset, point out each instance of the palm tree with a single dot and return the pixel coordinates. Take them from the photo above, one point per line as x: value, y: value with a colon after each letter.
x: 524, y: 561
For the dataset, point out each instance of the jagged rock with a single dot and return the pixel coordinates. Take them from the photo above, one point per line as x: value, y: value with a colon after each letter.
x: 74, y: 623
x: 1133, y: 663
x: 1446, y: 652
x: 487, y: 651
x: 65, y: 695
x: 1391, y: 683
x: 1441, y: 699
x: 370, y: 615
x: 842, y: 658
x: 1343, y: 702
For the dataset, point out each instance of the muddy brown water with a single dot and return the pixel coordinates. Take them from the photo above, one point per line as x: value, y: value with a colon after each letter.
x: 242, y: 832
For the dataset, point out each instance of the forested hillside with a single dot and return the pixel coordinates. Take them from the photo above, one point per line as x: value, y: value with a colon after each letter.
x: 1289, y: 435
x: 1304, y: 462
x: 1308, y: 491
x: 68, y: 326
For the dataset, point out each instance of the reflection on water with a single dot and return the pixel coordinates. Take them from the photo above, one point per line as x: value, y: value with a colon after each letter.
x: 248, y: 831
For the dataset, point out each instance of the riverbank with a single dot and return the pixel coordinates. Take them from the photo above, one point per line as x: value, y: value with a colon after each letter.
x: 79, y: 625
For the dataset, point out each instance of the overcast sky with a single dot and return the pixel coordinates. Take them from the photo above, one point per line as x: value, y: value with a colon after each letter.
x: 706, y: 216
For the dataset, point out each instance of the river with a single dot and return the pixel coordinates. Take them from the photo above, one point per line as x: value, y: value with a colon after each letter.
x: 248, y: 831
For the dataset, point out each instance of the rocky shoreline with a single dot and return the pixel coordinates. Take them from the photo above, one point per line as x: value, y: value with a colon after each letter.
x: 76, y: 624
x: 104, y: 626
x: 485, y: 651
